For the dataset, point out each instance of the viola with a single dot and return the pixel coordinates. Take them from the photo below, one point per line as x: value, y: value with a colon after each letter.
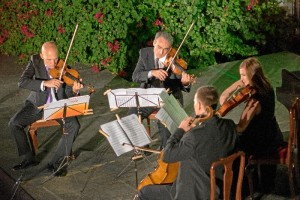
x: 239, y: 96
x: 68, y: 75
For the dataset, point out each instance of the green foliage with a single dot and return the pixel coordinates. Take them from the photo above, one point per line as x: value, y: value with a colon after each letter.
x: 110, y: 33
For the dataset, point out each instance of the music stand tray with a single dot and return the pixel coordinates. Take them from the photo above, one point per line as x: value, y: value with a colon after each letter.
x: 134, y: 97
x: 71, y: 107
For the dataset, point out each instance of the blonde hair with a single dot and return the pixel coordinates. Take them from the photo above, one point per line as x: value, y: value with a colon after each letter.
x: 255, y: 74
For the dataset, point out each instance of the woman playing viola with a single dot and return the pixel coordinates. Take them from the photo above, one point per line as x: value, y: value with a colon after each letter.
x: 258, y: 129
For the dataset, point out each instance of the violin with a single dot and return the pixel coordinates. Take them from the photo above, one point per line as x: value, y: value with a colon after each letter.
x: 65, y: 73
x: 172, y: 58
x: 239, y: 96
x: 68, y: 75
x: 179, y: 64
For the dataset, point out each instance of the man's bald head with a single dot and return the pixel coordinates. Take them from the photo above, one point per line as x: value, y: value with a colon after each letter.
x: 49, y: 53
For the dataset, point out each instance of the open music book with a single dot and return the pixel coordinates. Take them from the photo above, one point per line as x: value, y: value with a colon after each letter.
x: 171, y: 112
x: 134, y: 97
x: 125, y: 133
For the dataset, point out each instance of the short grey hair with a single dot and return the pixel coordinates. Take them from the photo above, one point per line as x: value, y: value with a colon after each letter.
x: 165, y: 35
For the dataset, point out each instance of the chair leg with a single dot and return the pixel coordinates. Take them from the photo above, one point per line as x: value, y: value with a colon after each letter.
x: 148, y: 127
x: 33, y: 140
x: 291, y: 183
x: 297, y: 171
x: 260, y: 185
x: 249, y: 174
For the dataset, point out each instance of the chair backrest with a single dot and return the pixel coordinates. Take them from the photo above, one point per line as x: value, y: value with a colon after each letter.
x: 227, y: 162
x: 294, y: 129
x: 293, y: 143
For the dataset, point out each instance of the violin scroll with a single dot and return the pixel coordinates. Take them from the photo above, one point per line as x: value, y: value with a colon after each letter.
x: 201, y: 118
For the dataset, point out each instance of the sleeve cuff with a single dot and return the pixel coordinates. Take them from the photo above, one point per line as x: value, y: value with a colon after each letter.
x: 42, y: 86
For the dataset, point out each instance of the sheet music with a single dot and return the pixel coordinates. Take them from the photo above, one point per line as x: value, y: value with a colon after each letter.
x: 54, y: 110
x: 133, y: 97
x: 128, y: 130
x: 171, y: 113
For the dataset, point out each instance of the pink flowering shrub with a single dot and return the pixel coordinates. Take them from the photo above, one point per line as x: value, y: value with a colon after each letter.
x: 110, y: 33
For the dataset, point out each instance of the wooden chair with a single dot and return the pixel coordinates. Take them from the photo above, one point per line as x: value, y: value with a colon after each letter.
x: 149, y: 118
x: 32, y: 131
x: 228, y: 176
x: 287, y: 155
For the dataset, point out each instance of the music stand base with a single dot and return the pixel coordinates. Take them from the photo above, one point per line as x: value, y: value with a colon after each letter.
x: 134, y: 158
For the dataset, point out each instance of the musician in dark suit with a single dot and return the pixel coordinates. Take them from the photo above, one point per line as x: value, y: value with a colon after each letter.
x: 195, y: 147
x: 44, y: 89
x: 151, y: 73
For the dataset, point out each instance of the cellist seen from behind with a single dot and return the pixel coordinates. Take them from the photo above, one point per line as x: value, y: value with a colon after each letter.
x: 195, y: 146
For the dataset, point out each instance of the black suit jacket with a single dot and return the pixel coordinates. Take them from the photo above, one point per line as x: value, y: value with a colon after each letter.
x: 32, y: 78
x: 145, y: 64
x: 196, y: 150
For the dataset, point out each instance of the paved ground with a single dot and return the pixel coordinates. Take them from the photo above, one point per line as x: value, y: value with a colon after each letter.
x: 94, y: 174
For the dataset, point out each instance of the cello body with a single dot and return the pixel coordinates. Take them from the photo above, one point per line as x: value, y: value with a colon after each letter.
x: 165, y: 173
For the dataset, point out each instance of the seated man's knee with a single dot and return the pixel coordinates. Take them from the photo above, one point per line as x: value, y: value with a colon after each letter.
x: 13, y: 123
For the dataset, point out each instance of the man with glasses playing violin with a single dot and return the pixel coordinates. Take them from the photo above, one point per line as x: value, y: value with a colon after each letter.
x: 44, y: 89
x: 195, y: 145
x: 151, y: 72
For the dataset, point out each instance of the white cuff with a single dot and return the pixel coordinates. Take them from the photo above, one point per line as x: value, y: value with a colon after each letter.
x: 42, y: 86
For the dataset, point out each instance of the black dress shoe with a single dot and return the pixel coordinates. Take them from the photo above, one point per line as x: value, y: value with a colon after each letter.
x: 61, y: 172
x: 25, y: 164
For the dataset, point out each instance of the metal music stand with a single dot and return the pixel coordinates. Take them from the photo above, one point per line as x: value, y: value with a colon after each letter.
x: 60, y: 110
x: 125, y: 135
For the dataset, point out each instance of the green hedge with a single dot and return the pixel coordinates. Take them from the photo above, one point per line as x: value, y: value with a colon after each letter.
x: 111, y: 32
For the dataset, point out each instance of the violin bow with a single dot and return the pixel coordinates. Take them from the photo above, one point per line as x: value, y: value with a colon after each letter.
x: 176, y: 53
x: 63, y: 67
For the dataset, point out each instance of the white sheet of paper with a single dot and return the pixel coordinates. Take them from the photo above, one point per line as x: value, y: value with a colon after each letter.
x: 171, y: 113
x: 123, y: 133
x: 57, y: 105
x: 134, y: 97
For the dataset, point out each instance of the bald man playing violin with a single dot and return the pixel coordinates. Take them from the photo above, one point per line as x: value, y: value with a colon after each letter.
x: 44, y: 89
x: 150, y: 72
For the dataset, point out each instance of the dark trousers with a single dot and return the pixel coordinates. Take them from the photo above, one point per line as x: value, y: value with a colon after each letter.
x: 28, y: 114
x: 163, y: 132
x: 157, y: 192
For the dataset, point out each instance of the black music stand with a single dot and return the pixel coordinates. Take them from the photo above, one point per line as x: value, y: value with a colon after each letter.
x: 63, y: 109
